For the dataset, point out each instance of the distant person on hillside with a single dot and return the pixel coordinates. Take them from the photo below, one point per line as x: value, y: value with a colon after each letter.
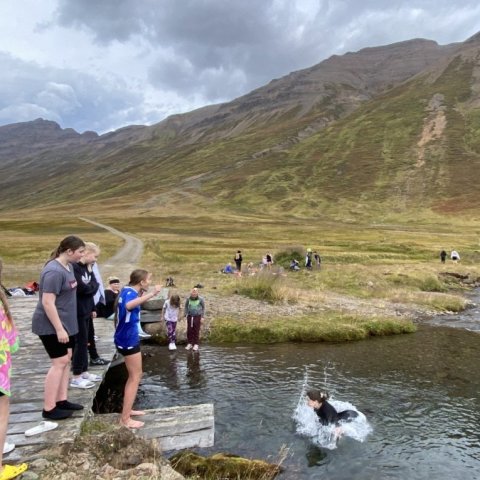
x: 238, y: 260
x: 294, y: 265
x: 55, y: 322
x: 269, y: 260
x: 455, y: 256
x: 318, y: 260
x: 194, y: 313
x: 170, y: 314
x: 227, y: 268
x: 443, y: 256
x: 308, y: 259
x: 127, y: 339
x: 8, y: 344
x: 87, y: 286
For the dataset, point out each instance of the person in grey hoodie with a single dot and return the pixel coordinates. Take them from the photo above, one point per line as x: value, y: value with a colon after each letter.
x: 194, y: 313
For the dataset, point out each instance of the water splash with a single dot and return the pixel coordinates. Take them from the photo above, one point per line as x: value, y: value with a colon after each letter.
x: 308, y: 425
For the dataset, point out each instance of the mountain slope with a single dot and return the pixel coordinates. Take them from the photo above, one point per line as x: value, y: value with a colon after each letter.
x: 386, y: 128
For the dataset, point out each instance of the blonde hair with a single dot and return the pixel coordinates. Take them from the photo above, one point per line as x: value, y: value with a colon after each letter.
x: 92, y: 247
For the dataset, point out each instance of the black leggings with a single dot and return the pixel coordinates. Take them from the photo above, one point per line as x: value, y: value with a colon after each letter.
x: 80, y: 350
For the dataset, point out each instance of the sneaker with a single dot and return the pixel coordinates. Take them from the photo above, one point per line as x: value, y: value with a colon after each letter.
x: 188, y: 347
x: 8, y: 447
x: 66, y: 405
x: 144, y: 335
x: 98, y: 361
x: 81, y: 383
x: 195, y: 348
x: 172, y: 346
x: 91, y: 376
x: 56, y: 413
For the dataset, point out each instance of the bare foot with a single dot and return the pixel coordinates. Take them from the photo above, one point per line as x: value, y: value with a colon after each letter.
x: 136, y: 413
x: 130, y: 423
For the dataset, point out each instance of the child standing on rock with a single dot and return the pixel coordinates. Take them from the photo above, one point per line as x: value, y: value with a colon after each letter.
x: 194, y: 312
x: 127, y: 338
x: 170, y: 314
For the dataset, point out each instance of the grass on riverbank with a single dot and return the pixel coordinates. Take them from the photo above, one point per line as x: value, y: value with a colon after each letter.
x: 327, y: 327
x: 371, y: 264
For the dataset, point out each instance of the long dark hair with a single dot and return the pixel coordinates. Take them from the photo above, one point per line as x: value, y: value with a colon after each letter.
x: 3, y: 297
x: 68, y: 243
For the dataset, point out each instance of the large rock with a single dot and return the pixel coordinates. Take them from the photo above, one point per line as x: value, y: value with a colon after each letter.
x: 156, y: 303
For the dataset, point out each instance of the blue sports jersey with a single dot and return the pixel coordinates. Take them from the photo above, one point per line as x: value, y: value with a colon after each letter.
x: 126, y: 333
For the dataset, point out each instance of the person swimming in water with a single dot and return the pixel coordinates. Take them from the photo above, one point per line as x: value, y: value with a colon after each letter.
x: 326, y: 412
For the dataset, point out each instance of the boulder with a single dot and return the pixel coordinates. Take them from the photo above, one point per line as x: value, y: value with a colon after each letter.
x: 156, y: 303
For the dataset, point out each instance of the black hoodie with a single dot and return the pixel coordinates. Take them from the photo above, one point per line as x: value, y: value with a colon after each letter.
x: 87, y: 287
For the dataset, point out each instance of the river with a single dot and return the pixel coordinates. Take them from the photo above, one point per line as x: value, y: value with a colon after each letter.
x: 419, y: 394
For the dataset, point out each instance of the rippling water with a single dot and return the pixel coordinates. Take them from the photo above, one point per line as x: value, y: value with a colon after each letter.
x: 419, y: 393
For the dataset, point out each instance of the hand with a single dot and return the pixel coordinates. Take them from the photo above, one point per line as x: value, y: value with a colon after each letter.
x: 94, y: 314
x: 157, y: 289
x: 62, y: 336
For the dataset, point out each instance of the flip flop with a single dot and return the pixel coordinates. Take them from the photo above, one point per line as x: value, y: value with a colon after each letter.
x: 41, y: 428
x: 8, y: 447
x: 11, y: 471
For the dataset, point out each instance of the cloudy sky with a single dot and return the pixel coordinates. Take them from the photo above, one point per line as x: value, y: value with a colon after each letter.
x: 103, y: 64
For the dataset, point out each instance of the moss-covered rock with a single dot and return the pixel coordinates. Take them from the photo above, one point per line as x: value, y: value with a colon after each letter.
x: 223, y: 465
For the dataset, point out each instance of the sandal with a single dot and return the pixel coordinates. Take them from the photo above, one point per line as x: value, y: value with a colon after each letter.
x: 12, y: 471
x: 40, y: 428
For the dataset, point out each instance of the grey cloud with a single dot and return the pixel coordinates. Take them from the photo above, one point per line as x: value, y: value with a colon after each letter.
x: 72, y: 98
x: 237, y: 46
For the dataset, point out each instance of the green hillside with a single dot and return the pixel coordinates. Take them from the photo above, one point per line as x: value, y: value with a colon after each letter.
x: 356, y: 149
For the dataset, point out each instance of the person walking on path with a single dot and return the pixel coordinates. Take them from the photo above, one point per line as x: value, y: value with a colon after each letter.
x: 455, y: 256
x: 170, y: 314
x: 8, y: 344
x: 238, y: 260
x: 318, y: 259
x: 87, y: 287
x: 194, y: 313
x: 443, y: 256
x: 55, y: 322
x: 127, y: 338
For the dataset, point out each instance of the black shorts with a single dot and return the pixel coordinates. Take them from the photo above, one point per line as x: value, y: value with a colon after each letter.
x: 54, y: 348
x: 129, y: 351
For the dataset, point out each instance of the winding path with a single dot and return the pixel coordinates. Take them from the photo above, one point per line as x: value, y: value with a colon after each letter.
x: 127, y: 257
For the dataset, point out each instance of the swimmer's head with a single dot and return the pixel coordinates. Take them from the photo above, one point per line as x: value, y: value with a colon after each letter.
x: 315, y: 398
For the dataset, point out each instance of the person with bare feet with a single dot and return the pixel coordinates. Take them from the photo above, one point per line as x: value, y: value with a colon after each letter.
x: 127, y: 339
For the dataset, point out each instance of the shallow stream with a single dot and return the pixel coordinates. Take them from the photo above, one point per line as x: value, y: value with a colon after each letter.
x: 418, y: 392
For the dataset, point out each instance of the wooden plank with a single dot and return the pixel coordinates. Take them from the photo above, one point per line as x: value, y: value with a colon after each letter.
x: 177, y: 428
x: 30, y: 365
x: 173, y: 427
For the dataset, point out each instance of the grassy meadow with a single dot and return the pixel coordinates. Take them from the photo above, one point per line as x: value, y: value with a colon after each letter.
x: 369, y: 265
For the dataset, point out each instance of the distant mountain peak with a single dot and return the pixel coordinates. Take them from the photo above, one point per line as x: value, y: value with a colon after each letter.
x: 474, y: 38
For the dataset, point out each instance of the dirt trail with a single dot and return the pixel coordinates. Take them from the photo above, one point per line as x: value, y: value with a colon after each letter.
x: 127, y: 257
